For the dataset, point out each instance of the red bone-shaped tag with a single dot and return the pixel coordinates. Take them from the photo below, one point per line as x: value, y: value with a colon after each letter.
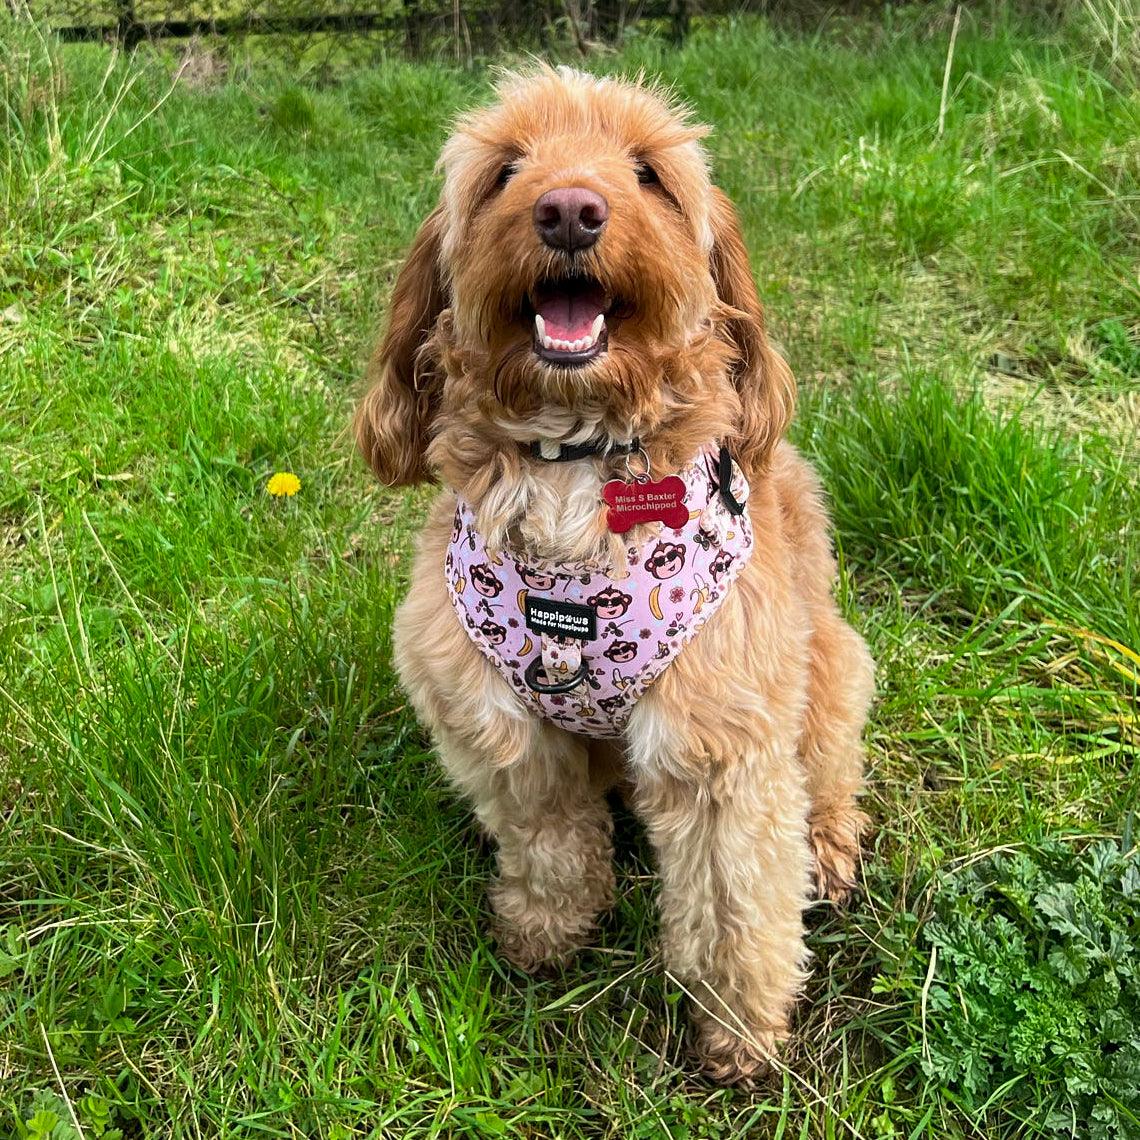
x: 652, y: 501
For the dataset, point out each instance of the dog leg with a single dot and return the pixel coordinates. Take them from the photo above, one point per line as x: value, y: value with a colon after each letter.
x: 734, y: 862
x: 555, y: 844
x: 528, y: 781
x: 840, y: 686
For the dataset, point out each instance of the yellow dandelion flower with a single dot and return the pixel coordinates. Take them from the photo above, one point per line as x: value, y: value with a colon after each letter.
x: 283, y: 483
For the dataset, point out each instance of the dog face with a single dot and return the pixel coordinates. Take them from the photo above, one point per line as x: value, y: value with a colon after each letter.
x: 573, y: 214
x: 579, y: 263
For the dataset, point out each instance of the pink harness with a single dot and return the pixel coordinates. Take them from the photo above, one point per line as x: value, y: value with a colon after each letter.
x: 578, y: 643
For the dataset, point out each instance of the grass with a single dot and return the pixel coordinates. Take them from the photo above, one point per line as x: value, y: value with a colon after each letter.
x: 236, y: 898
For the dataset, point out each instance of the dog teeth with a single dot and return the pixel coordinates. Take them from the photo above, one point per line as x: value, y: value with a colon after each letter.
x: 553, y: 344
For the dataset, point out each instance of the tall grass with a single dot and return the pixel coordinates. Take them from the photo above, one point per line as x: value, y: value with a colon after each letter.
x: 235, y: 897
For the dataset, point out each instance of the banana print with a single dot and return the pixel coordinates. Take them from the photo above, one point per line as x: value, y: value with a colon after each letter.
x: 655, y: 603
x: 700, y: 595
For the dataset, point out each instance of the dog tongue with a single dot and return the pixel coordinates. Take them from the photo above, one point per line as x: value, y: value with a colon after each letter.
x: 569, y: 311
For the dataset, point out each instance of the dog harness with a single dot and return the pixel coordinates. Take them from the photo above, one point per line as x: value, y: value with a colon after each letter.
x: 581, y: 642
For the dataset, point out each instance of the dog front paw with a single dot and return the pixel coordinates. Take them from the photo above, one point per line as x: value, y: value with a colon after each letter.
x: 538, y: 933
x: 836, y: 839
x: 533, y: 950
x: 731, y: 1057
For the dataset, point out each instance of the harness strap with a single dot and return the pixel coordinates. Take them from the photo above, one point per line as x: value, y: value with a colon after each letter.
x: 724, y: 477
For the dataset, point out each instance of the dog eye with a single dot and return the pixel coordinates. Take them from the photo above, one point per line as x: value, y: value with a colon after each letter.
x: 506, y: 173
x: 646, y: 175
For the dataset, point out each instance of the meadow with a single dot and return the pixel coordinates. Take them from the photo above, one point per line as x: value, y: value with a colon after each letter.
x: 236, y: 897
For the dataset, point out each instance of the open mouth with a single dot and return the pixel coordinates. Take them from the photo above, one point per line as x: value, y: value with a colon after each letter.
x: 570, y: 320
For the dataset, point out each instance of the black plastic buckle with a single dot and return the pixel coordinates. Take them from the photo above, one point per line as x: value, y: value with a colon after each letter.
x: 537, y: 686
x: 724, y: 476
x: 571, y: 451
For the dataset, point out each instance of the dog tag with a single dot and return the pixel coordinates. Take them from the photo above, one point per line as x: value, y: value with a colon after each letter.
x: 655, y: 500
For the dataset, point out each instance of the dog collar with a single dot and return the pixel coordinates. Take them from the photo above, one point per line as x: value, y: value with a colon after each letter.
x: 568, y: 451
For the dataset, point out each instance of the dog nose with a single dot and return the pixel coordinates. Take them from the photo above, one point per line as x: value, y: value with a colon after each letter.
x: 570, y: 218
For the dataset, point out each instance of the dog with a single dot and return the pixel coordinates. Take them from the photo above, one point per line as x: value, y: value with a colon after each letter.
x: 578, y: 313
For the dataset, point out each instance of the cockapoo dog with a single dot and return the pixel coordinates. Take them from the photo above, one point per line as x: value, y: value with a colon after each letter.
x: 627, y: 577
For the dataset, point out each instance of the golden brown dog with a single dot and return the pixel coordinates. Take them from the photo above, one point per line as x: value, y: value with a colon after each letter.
x: 591, y: 198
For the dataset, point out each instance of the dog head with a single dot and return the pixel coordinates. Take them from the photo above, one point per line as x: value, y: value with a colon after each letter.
x: 579, y: 266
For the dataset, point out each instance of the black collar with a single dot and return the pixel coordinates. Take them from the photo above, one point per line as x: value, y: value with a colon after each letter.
x: 581, y: 450
x: 569, y: 451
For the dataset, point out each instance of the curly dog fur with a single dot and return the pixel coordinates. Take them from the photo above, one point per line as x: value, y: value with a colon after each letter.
x: 744, y: 759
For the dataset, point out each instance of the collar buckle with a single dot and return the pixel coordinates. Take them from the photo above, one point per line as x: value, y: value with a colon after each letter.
x: 571, y: 451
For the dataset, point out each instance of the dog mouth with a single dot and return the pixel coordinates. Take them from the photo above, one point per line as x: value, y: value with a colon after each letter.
x: 570, y: 320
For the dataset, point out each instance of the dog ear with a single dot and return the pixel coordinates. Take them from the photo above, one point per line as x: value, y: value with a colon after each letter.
x: 393, y: 421
x: 760, y: 374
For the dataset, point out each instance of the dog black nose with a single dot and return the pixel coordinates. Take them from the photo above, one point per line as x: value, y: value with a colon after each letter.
x: 570, y: 218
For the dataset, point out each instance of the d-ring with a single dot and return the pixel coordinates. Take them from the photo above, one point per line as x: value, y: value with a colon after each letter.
x: 644, y: 476
x: 533, y: 683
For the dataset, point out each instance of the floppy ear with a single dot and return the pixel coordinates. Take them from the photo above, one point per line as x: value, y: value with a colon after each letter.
x: 393, y: 421
x: 760, y: 374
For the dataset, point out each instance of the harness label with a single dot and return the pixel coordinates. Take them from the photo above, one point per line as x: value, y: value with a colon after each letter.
x: 561, y: 619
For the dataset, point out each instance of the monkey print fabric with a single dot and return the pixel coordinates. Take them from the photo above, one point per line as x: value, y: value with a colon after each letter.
x: 643, y: 617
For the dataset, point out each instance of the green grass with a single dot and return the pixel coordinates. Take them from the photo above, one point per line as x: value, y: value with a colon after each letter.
x: 236, y: 898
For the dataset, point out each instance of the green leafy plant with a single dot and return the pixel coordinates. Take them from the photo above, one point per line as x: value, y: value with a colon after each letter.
x: 41, y: 1125
x: 50, y: 1118
x: 1026, y: 982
